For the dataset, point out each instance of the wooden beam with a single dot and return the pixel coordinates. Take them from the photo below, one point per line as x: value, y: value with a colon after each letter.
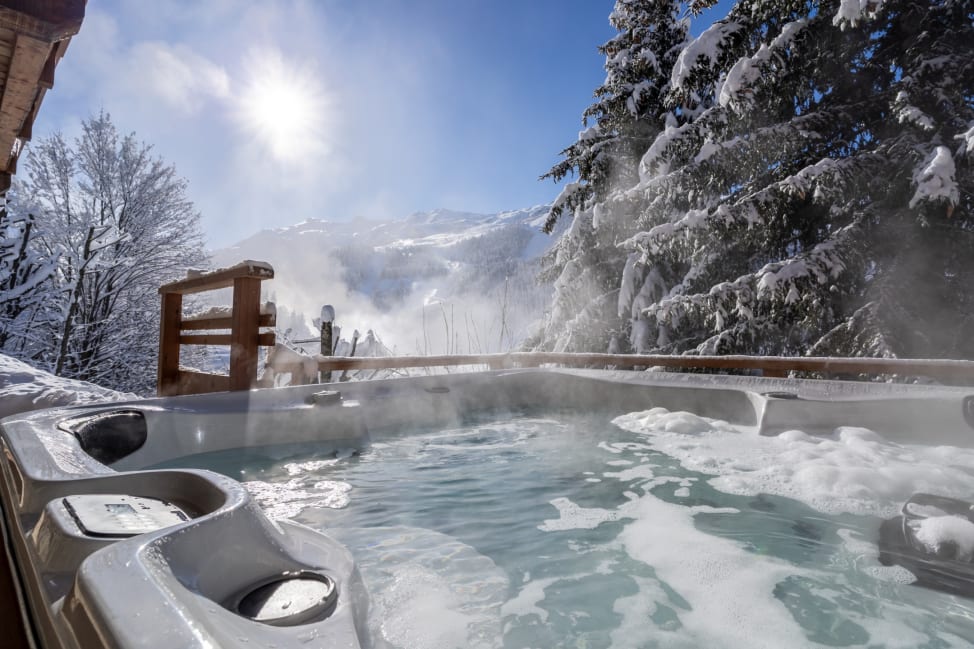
x: 244, y: 336
x: 50, y: 20
x: 222, y: 278
x: 26, y: 132
x: 168, y: 373
x: 945, y: 370
x: 20, y: 92
x: 204, y: 324
x: 45, y: 83
x: 263, y: 340
x: 47, y: 74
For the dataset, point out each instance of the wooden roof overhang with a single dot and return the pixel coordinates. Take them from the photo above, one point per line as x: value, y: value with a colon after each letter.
x: 33, y: 37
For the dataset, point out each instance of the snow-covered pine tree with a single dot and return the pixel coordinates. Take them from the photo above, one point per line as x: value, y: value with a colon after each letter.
x: 120, y: 224
x: 816, y: 196
x: 625, y: 118
x: 823, y: 198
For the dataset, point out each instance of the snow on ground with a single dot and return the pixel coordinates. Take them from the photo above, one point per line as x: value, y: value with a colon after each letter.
x: 24, y: 388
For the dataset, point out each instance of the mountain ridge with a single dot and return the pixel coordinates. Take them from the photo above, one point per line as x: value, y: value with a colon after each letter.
x: 389, y: 275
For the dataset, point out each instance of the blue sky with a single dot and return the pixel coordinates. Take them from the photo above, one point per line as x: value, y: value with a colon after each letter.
x: 280, y: 111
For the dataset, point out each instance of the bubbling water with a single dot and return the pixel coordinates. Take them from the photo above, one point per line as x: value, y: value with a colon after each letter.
x: 854, y: 470
x: 655, y: 529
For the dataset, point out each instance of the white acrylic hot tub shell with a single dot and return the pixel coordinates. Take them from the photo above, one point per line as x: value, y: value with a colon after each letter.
x: 172, y: 587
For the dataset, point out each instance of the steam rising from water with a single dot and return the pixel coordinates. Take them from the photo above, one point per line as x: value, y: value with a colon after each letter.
x: 434, y: 283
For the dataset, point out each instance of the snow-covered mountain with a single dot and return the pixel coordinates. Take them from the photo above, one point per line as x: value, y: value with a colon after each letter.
x: 433, y: 282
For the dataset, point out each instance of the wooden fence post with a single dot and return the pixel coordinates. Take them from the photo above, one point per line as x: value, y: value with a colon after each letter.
x: 327, y: 338
x: 327, y: 322
x: 169, y: 326
x: 244, y: 332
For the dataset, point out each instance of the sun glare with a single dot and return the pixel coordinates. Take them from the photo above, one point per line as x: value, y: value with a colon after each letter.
x: 283, y: 108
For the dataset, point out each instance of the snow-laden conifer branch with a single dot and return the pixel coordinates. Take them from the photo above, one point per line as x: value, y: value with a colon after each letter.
x: 736, y: 90
x: 704, y: 51
x: 853, y: 12
x: 934, y: 179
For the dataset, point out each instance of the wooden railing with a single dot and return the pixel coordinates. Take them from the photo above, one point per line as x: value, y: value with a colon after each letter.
x: 244, y: 324
x: 946, y: 371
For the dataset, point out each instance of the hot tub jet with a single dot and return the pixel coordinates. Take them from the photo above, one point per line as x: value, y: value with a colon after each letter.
x: 933, y: 539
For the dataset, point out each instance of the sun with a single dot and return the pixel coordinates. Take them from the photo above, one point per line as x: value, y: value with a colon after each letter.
x: 283, y: 108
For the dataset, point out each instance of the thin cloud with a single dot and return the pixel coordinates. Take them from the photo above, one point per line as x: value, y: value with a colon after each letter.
x: 182, y: 78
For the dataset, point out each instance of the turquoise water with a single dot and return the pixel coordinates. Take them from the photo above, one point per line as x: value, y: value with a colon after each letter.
x: 568, y: 531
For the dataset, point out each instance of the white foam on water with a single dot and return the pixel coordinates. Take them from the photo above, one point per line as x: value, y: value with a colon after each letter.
x: 638, y: 472
x: 730, y: 591
x: 284, y: 500
x: 419, y: 611
x: 864, y: 556
x: 891, y: 574
x: 938, y: 531
x: 297, y: 468
x: 573, y: 517
x: 635, y: 629
x: 854, y: 470
x: 526, y: 601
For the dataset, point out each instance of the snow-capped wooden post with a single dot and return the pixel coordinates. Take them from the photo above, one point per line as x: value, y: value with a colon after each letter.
x: 244, y: 322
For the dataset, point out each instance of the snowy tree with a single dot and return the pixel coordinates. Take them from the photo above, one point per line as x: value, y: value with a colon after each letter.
x: 120, y: 224
x: 624, y: 120
x: 811, y: 190
x: 24, y: 271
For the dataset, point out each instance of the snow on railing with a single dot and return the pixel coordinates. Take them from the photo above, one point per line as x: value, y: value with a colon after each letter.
x: 948, y: 371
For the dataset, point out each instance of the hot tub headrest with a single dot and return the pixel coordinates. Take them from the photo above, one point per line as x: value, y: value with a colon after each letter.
x: 109, y: 436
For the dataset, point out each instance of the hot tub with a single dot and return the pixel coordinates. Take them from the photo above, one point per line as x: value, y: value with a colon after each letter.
x: 111, y: 550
